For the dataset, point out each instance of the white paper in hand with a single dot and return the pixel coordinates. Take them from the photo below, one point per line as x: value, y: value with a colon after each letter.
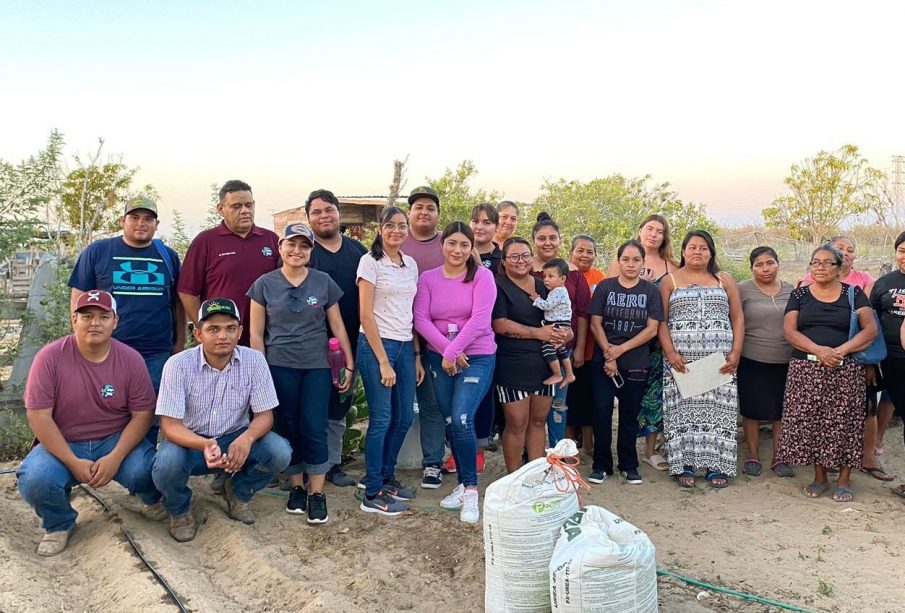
x: 702, y: 375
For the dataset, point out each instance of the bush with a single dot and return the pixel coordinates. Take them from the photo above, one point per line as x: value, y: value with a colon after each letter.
x: 15, y: 436
x: 353, y: 439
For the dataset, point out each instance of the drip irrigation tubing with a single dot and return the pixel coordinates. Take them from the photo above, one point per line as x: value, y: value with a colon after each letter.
x: 141, y: 556
x: 723, y: 590
x: 7, y: 472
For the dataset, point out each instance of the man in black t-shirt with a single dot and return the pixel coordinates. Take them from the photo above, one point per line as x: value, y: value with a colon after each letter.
x: 338, y: 256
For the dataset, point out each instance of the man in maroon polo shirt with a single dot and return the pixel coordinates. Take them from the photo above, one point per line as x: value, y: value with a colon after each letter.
x: 224, y: 261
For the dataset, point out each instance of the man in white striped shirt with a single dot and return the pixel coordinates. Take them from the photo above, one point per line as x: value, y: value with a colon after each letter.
x: 205, y: 396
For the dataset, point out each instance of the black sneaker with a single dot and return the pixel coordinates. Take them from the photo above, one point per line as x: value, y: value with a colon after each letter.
x: 317, y: 508
x: 337, y: 477
x: 398, y: 491
x: 597, y: 476
x: 298, y: 501
x: 432, y: 478
x: 632, y: 477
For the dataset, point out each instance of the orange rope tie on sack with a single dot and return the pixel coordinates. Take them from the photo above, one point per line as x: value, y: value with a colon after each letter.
x: 568, y: 466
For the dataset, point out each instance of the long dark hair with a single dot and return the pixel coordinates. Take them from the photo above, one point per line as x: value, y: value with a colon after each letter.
x: 385, y: 216
x: 712, y: 267
x: 453, y: 227
x: 630, y: 243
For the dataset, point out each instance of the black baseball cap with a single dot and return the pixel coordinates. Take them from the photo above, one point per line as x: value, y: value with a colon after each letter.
x: 218, y: 306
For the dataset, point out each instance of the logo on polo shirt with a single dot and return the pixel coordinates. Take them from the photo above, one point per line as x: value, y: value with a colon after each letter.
x: 267, y: 251
x: 312, y: 301
x: 108, y: 391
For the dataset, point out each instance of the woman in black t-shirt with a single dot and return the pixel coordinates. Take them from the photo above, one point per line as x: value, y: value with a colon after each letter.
x: 625, y: 314
x: 520, y: 364
x: 824, y: 406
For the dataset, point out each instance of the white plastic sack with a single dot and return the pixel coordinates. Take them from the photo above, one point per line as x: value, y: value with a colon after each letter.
x: 602, y: 563
x: 523, y: 514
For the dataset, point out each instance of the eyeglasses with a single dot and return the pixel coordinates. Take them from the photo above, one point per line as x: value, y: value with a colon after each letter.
x: 519, y: 257
x: 823, y: 264
x: 396, y: 226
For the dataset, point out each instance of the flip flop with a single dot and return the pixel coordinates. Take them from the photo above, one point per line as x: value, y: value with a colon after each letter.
x: 656, y: 462
x: 878, y: 473
x: 714, y: 476
x: 753, y: 468
x: 687, y: 474
x: 815, y: 490
x: 843, y: 494
x: 782, y: 470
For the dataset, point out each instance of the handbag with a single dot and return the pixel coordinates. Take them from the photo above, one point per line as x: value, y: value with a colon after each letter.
x: 876, y: 351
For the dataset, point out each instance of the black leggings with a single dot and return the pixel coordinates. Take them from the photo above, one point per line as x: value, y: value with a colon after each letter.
x: 893, y: 370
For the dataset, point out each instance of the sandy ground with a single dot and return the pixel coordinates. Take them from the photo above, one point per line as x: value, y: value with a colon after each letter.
x: 760, y: 535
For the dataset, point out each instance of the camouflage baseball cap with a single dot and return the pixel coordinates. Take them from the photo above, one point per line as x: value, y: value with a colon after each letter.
x: 425, y: 191
x: 141, y: 203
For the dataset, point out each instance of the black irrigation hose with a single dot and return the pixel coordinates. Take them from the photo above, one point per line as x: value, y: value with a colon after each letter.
x: 7, y: 472
x: 163, y: 582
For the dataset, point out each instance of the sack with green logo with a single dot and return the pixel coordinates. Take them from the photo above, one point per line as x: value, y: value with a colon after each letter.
x: 602, y: 563
x: 523, y: 513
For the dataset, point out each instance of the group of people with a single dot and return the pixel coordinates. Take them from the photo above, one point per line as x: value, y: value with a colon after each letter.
x: 480, y: 329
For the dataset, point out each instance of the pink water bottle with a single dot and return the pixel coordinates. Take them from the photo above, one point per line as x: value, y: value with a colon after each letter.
x: 337, y: 360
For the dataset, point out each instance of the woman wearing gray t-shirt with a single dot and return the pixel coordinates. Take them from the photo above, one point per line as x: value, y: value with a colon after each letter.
x: 764, y: 364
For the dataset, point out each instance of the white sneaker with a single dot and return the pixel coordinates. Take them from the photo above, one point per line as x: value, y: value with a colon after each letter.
x: 455, y: 500
x: 470, y: 513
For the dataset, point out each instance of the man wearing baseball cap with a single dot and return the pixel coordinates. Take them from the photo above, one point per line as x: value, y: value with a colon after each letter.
x: 205, y: 396
x: 141, y: 273
x: 423, y: 245
x: 89, y: 402
x: 224, y: 261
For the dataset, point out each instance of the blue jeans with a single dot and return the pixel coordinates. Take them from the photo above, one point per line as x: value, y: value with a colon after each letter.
x: 154, y: 364
x: 556, y: 418
x: 45, y: 482
x: 301, y: 418
x: 390, y: 411
x: 433, y: 426
x: 459, y: 397
x: 267, y: 457
x: 604, y: 390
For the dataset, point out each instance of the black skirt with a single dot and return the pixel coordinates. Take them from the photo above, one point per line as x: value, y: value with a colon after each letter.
x: 761, y: 388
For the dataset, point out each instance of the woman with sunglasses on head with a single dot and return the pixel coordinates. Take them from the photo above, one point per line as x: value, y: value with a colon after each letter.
x: 626, y: 312
x: 293, y: 310
x: 824, y: 404
x: 521, y: 367
x: 703, y: 317
x: 764, y: 364
x: 452, y: 312
x: 388, y: 359
x: 654, y: 236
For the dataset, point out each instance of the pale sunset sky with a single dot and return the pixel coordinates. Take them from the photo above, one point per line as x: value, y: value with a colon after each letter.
x: 718, y: 98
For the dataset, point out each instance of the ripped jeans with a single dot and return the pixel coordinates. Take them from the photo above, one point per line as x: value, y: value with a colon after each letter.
x: 458, y: 397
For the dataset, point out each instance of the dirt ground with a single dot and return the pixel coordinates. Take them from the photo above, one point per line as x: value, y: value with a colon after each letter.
x: 759, y: 536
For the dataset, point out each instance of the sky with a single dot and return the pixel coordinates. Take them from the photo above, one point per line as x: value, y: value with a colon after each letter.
x: 717, y: 98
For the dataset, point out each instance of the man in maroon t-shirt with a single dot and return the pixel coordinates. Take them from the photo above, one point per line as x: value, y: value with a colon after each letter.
x: 90, y: 402
x: 224, y: 261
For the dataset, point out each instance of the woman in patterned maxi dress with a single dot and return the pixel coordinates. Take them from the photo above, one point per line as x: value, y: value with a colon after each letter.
x: 704, y: 316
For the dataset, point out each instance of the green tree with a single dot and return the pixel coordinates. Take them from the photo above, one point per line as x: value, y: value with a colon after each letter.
x: 213, y: 217
x: 179, y: 239
x: 25, y: 189
x: 457, y: 197
x: 94, y: 197
x: 610, y: 209
x: 825, y: 191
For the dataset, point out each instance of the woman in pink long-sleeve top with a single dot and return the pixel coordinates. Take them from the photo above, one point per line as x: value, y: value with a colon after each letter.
x: 452, y: 312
